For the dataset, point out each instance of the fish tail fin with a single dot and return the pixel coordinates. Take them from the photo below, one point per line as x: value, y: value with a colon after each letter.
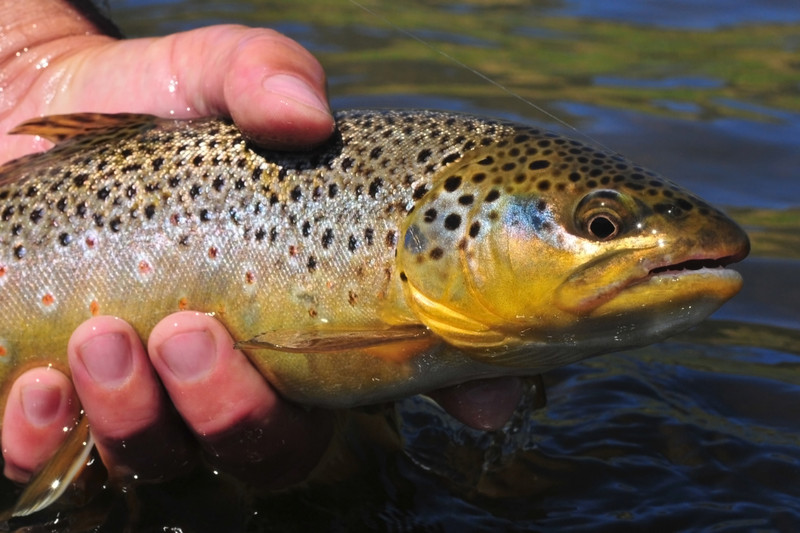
x: 50, y: 483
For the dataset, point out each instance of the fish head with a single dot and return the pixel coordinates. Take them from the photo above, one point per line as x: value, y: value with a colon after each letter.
x: 539, y: 241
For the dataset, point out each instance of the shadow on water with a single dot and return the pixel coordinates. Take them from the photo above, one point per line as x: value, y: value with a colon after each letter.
x: 700, y: 432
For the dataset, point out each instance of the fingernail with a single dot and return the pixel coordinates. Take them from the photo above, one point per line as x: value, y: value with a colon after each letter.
x: 107, y: 359
x: 295, y: 89
x: 40, y: 403
x: 189, y: 356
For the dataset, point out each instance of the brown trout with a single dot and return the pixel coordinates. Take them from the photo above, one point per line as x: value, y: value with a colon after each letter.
x: 413, y: 250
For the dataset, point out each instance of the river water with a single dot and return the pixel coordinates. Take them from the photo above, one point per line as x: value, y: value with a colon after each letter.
x: 701, y: 432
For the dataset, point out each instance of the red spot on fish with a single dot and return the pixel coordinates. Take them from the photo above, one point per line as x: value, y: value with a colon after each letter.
x: 183, y: 304
x: 3, y: 351
x: 249, y: 277
x: 144, y: 267
x: 3, y: 270
x: 292, y: 250
x: 213, y: 252
x: 48, y: 299
x: 90, y: 242
x: 94, y: 308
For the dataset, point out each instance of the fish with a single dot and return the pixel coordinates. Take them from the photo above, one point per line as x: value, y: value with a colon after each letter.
x: 414, y: 250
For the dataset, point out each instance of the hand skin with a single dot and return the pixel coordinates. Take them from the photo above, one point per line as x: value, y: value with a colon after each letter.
x: 189, y: 388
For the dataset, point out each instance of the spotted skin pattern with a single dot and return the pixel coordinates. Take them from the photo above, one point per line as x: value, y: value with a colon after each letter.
x: 388, y: 225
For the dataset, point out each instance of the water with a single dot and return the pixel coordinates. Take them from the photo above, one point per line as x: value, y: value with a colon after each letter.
x: 700, y: 432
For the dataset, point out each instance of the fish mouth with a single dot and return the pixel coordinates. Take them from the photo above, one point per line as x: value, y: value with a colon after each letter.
x: 700, y: 277
x: 699, y: 263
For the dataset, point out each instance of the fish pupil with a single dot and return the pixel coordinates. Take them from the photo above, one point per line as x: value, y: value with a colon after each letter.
x: 602, y: 227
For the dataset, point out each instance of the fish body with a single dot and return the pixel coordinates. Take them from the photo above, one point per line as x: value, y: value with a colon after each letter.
x: 414, y: 250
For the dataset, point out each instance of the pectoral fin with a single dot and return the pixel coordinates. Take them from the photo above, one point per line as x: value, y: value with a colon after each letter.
x: 51, y: 481
x: 334, y: 340
x: 58, y: 128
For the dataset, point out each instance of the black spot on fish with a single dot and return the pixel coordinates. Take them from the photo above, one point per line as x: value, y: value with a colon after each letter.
x: 493, y: 195
x: 296, y: 193
x: 36, y: 215
x: 376, y: 152
x: 273, y: 234
x: 466, y: 199
x: 333, y: 189
x: 157, y: 163
x: 260, y: 234
x: 369, y: 236
x: 375, y: 186
x: 31, y: 192
x: 311, y: 264
x: 391, y: 238
x: 450, y: 158
x: 19, y: 251
x: 16, y: 229
x: 218, y: 183
x: 99, y: 220
x: 61, y: 204
x: 194, y: 191
x: 543, y: 185
x: 539, y: 164
x: 115, y: 224
x: 429, y: 215
x: 436, y: 253
x: 509, y: 166
x: 403, y: 277
x: 198, y: 160
x: 684, y: 204
x: 347, y: 163
x: 419, y: 192
x: 352, y: 243
x: 486, y: 161
x: 452, y: 183
x: 80, y: 180
x: 65, y: 239
x: 306, y: 228
x: 478, y: 177
x: 327, y: 237
x: 150, y: 211
x: 205, y: 215
x: 474, y: 229
x: 452, y: 221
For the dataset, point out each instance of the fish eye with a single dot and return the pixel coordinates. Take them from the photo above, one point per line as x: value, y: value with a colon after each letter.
x: 602, y: 215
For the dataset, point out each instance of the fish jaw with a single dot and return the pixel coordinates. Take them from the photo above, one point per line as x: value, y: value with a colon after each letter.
x: 686, y: 286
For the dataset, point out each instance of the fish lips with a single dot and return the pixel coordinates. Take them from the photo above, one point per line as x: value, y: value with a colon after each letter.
x: 632, y: 280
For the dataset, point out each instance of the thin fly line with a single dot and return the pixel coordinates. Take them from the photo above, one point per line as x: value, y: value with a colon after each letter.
x: 478, y: 73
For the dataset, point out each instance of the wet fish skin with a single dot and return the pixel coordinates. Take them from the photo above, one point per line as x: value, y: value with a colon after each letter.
x: 421, y: 248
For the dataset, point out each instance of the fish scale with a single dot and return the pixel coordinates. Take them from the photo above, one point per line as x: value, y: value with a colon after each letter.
x: 413, y: 250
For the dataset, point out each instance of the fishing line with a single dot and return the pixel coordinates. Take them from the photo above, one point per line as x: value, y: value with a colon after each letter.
x: 480, y: 74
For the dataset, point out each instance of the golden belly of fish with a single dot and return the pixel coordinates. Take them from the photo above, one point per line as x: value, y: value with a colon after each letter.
x: 413, y: 250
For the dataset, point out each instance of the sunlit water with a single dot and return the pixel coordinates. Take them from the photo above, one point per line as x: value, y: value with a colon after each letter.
x: 700, y: 432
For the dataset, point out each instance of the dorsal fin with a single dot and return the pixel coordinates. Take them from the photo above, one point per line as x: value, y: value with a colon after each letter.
x: 58, y: 128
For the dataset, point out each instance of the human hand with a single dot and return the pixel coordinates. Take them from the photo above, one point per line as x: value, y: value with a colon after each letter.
x: 272, y: 87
